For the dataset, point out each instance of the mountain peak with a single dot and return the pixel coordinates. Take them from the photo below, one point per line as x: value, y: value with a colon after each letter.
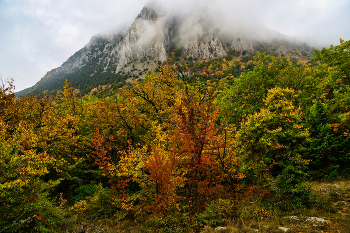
x: 154, y: 36
x: 149, y: 12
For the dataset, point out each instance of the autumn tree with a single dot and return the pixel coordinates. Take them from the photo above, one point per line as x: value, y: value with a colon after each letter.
x: 8, y: 104
x: 201, y: 147
x: 270, y: 143
x: 25, y: 205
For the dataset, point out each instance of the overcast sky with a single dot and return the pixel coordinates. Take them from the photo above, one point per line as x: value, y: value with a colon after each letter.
x: 39, y: 35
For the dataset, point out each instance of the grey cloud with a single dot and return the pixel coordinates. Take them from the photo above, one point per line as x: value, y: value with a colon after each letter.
x: 38, y: 35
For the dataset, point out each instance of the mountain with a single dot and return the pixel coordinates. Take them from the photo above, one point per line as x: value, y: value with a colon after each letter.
x: 152, y: 38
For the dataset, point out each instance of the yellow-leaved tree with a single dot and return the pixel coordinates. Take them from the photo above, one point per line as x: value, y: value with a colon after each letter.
x: 271, y: 142
x: 23, y: 194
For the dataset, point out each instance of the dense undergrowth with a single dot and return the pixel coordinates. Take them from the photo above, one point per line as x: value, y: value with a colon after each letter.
x: 214, y: 143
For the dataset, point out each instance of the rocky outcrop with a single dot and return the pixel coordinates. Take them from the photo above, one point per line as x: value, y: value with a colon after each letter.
x: 204, y: 46
x: 146, y: 38
x: 148, y: 42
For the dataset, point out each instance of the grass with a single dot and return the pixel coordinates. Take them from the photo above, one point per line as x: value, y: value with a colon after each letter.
x: 100, y: 226
x: 333, y: 206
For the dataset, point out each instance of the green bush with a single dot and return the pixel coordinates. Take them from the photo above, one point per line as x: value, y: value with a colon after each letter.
x: 217, y: 212
x: 171, y: 223
x: 100, y: 205
x: 329, y: 151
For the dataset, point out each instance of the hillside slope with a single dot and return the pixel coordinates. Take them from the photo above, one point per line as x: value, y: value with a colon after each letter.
x: 150, y: 40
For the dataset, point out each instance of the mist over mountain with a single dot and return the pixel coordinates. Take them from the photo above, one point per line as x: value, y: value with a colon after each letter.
x: 198, y: 32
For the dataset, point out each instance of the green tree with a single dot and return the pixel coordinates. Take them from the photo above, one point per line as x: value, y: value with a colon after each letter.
x: 329, y: 151
x: 269, y: 143
x: 337, y: 57
x: 335, y: 67
x: 245, y: 96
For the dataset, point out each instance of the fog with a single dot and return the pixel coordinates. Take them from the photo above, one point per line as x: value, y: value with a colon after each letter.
x: 39, y: 35
x: 317, y: 22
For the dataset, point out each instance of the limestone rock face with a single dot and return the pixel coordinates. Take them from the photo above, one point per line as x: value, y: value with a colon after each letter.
x: 242, y: 43
x: 148, y: 42
x: 204, y: 46
x: 146, y: 38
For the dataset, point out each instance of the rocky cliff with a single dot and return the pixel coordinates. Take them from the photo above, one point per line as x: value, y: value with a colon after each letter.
x: 149, y: 41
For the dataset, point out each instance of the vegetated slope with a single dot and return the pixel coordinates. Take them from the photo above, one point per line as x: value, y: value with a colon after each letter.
x: 217, y: 142
x: 152, y: 38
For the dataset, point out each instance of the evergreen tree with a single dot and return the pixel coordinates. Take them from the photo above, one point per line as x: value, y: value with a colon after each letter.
x: 329, y: 150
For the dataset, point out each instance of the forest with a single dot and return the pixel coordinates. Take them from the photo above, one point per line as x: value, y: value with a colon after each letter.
x: 191, y: 145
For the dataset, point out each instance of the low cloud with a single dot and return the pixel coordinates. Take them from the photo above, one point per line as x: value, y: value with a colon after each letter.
x: 39, y: 35
x: 321, y: 22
